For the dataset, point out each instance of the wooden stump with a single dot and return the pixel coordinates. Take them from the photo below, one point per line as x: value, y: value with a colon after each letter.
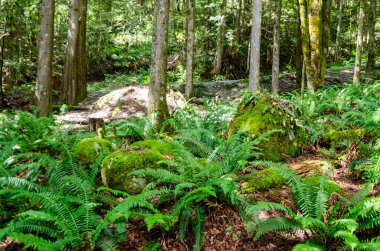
x: 95, y: 124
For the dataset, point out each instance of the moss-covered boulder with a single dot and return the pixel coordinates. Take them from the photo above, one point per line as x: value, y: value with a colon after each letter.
x: 258, y: 116
x: 262, y: 181
x: 88, y: 150
x: 116, y: 167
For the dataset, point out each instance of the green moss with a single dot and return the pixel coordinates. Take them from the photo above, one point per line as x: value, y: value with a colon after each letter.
x: 158, y: 145
x: 262, y: 181
x: 347, y: 137
x: 88, y: 150
x: 116, y: 167
x: 266, y: 114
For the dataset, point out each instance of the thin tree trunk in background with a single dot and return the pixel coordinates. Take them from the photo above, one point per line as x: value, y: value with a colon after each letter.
x: 190, y: 48
x: 2, y: 98
x: 338, y: 28
x: 359, y: 42
x: 299, y: 54
x: 326, y: 22
x: 45, y: 58
x: 238, y: 20
x: 157, y: 89
x: 371, y: 38
x: 276, y: 48
x: 219, y: 40
x: 254, y: 70
x: 74, y: 83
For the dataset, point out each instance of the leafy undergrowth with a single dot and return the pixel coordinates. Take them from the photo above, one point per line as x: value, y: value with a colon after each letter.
x: 213, y: 191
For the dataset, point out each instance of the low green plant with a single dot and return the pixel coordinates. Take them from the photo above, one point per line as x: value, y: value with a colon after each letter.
x: 326, y: 223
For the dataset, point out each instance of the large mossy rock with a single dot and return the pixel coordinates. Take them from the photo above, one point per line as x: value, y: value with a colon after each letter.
x: 116, y: 167
x: 261, y: 115
x: 88, y: 150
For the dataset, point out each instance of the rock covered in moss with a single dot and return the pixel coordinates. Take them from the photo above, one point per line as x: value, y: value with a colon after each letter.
x: 259, y: 116
x: 89, y: 149
x: 262, y: 181
x: 116, y: 167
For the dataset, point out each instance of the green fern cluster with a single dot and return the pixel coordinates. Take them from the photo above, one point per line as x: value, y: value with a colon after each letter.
x: 62, y: 213
x: 326, y: 223
x: 339, y: 107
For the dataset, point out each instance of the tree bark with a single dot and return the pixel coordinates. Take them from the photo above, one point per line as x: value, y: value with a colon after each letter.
x: 254, y: 70
x: 219, y: 40
x: 338, y: 28
x: 371, y: 38
x: 315, y: 33
x: 190, y: 48
x: 74, y: 83
x: 238, y: 22
x: 359, y: 42
x: 299, y: 55
x: 276, y: 48
x: 157, y: 104
x: 45, y: 58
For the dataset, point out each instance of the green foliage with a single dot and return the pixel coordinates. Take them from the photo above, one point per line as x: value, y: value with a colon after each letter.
x: 311, y: 196
x: 351, y: 106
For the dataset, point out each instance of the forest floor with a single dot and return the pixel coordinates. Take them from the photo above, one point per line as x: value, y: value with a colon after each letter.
x: 123, y: 102
x: 225, y: 230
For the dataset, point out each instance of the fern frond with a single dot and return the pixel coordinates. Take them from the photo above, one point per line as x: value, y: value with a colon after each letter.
x: 277, y: 224
x: 199, y: 227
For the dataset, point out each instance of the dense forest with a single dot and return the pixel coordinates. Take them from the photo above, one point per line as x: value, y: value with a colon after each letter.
x: 189, y: 125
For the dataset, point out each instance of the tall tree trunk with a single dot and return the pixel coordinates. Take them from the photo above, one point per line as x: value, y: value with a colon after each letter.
x: 326, y: 30
x: 338, y: 28
x: 299, y: 55
x: 276, y: 48
x: 157, y: 89
x: 74, y: 83
x: 2, y: 98
x: 359, y: 42
x: 219, y: 40
x: 238, y: 21
x: 45, y: 58
x: 190, y: 48
x: 254, y: 62
x: 371, y: 38
x: 315, y: 33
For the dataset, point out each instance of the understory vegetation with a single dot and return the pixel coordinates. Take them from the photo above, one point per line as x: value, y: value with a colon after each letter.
x: 56, y: 196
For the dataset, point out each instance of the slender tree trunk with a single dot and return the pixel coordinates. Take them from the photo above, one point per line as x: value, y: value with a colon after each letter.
x: 190, y: 48
x: 359, y: 42
x: 2, y: 98
x: 238, y: 21
x: 74, y: 83
x: 338, y: 28
x: 276, y: 48
x: 157, y: 89
x: 326, y: 30
x: 299, y: 55
x: 371, y: 38
x: 45, y: 58
x: 219, y: 40
x: 254, y: 70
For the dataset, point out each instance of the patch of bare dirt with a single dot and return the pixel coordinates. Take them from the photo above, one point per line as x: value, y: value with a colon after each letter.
x: 117, y: 104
